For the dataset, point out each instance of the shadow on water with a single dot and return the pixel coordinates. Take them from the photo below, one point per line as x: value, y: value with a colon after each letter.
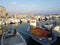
x: 57, y: 41
x: 32, y: 42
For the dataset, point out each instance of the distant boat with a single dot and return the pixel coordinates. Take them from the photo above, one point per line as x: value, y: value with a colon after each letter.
x: 8, y: 38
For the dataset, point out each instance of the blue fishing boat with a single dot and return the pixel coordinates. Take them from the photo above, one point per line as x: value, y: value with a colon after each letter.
x: 44, y: 40
x: 41, y: 34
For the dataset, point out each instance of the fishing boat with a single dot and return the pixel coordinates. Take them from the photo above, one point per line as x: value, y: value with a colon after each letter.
x: 12, y: 38
x: 41, y: 34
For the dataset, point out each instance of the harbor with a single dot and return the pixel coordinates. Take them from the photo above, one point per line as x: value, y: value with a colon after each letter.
x: 26, y: 22
x: 22, y: 29
x: 42, y: 31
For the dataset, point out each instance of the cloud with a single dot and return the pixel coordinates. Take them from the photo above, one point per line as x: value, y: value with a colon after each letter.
x: 14, y: 3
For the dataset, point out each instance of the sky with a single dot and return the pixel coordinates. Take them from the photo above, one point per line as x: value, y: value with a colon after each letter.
x: 32, y: 6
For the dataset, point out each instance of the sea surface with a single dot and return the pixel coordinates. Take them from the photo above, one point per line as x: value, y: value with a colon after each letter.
x: 22, y: 29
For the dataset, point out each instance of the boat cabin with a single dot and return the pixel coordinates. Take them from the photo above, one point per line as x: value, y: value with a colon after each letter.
x: 33, y: 22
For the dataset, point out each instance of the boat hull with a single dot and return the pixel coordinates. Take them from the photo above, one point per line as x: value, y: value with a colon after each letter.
x: 44, y: 41
x: 12, y: 39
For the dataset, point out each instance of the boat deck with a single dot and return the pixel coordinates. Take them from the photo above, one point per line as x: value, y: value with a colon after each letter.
x: 13, y: 40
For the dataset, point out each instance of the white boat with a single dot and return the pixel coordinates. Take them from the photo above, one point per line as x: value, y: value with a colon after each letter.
x: 56, y: 30
x: 8, y: 38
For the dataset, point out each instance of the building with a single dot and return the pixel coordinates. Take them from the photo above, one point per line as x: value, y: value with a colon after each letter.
x: 2, y: 11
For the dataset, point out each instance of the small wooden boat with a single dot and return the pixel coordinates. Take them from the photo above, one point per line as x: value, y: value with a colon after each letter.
x: 42, y: 36
x: 12, y: 38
